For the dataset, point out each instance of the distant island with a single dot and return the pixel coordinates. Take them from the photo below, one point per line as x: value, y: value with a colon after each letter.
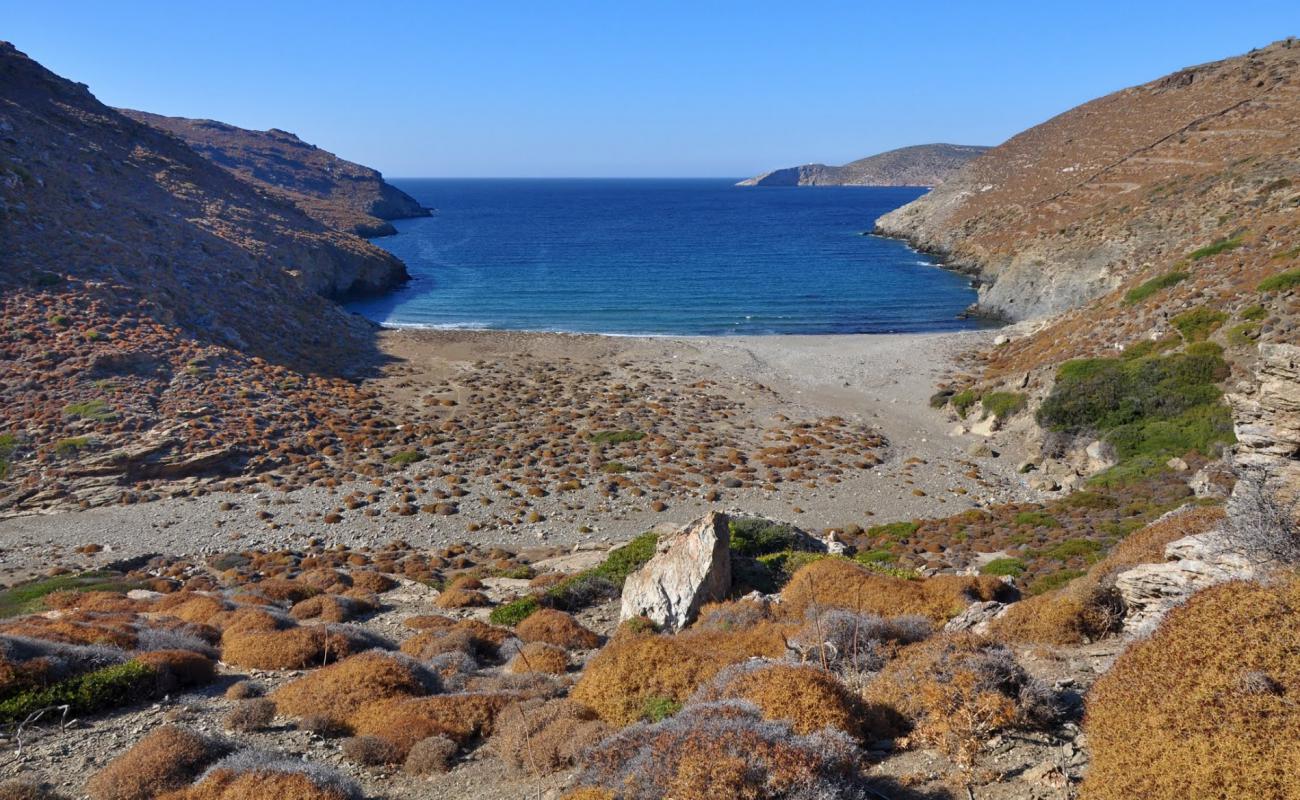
x: 918, y: 165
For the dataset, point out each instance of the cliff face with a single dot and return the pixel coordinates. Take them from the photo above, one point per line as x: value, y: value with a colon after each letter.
x: 919, y: 165
x: 337, y: 193
x: 1120, y: 187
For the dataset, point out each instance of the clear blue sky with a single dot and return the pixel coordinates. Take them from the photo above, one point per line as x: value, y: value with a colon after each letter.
x: 626, y: 87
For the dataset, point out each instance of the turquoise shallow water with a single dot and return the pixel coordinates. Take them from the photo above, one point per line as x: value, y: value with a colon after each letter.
x: 678, y: 257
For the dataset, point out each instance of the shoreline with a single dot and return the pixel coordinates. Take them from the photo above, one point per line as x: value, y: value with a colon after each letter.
x: 881, y: 382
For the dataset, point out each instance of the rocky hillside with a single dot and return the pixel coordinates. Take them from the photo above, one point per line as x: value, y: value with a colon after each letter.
x: 334, y: 192
x: 161, y: 317
x: 919, y: 165
x: 1125, y: 187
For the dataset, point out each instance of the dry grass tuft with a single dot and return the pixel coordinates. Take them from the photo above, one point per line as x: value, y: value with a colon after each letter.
x: 1206, y: 706
x: 540, y: 657
x: 340, y: 690
x: 557, y: 628
x: 253, y: 714
x: 545, y: 736
x: 167, y: 759
x: 840, y: 583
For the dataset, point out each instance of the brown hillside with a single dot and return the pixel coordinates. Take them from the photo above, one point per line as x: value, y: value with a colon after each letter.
x: 1123, y: 189
x: 334, y: 192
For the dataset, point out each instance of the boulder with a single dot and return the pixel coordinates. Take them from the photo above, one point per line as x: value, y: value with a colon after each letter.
x: 976, y: 617
x: 692, y: 567
x: 1149, y: 591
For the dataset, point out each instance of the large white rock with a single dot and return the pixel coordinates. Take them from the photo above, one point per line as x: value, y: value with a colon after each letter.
x: 692, y: 567
x: 1197, y: 562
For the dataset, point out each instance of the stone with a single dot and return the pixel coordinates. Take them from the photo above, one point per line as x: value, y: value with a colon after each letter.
x: 690, y: 568
x: 1196, y: 562
x: 1177, y: 464
x: 976, y: 617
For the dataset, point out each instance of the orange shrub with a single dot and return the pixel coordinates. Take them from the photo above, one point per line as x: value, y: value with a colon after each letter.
x: 329, y: 608
x: 1204, y: 707
x: 636, y: 668
x: 404, y: 721
x: 540, y: 657
x: 168, y: 758
x: 283, y: 591
x: 338, y: 691
x: 557, y: 628
x: 840, y: 583
x: 190, y: 606
x: 261, y: 785
x: 806, y: 697
x: 293, y: 648
x: 423, y: 622
x: 78, y: 627
x: 372, y: 582
x: 456, y: 597
x: 178, y: 668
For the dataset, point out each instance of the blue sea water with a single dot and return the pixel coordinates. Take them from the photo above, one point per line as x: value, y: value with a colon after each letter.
x: 679, y: 257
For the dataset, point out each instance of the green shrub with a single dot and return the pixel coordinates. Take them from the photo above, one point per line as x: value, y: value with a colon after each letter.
x: 66, y: 448
x: 616, y: 437
x: 1003, y: 567
x: 514, y: 612
x: 753, y: 536
x: 96, y: 410
x: 1281, y: 282
x: 940, y: 398
x: 1196, y: 325
x: 657, y: 708
x: 962, y: 401
x: 406, y: 458
x: 785, y: 564
x: 109, y: 687
x: 578, y: 591
x: 1037, y: 519
x: 8, y: 446
x: 1054, y: 581
x: 1148, y: 409
x: 1149, y: 347
x: 614, y: 468
x: 894, y: 530
x: 1243, y: 335
x: 1142, y: 292
x: 876, y: 557
x: 1220, y: 246
x: 25, y: 598
x: 1003, y: 404
x: 1073, y: 548
x: 60, y: 321
x: 1086, y: 499
x: 1253, y: 313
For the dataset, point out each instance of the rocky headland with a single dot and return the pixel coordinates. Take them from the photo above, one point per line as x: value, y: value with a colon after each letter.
x: 917, y: 165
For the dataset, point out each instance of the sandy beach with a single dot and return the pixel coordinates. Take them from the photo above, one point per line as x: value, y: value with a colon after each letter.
x: 877, y: 384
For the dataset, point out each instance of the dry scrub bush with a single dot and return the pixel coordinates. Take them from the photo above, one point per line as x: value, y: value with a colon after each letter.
x: 588, y: 793
x: 805, y: 697
x: 539, y: 657
x: 178, y: 668
x: 190, y: 606
x: 1265, y: 520
x: 545, y: 736
x: 168, y: 758
x: 430, y: 756
x: 1205, y: 707
x: 257, y: 775
x: 840, y: 583
x: 852, y: 643
x: 250, y: 715
x: 956, y: 690
x: 243, y: 690
x: 635, y: 668
x: 34, y: 663
x: 1088, y: 608
x: 78, y: 627
x: 372, y: 582
x: 69, y: 599
x: 557, y: 628
x: 340, y: 690
x: 370, y: 751
x: 329, y: 608
x: 27, y: 789
x: 293, y: 648
x: 469, y: 636
x: 425, y: 622
x: 404, y: 721
x: 722, y: 750
x: 456, y: 597
x: 280, y: 590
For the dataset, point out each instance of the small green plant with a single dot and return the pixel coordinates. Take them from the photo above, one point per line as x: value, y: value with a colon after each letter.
x: 1243, y: 335
x: 1253, y: 313
x: 1149, y: 347
x: 59, y: 321
x: 1054, y: 581
x: 1220, y: 246
x: 514, y: 612
x: 893, y: 530
x: 940, y: 398
x: 614, y: 468
x: 615, y: 437
x: 1197, y: 325
x: 878, y: 556
x: 1003, y: 404
x: 1145, y: 290
x: 66, y: 448
x: 1037, y: 519
x: 962, y: 402
x: 406, y: 458
x: 1073, y: 548
x: 96, y: 410
x: 1004, y: 567
x: 658, y: 708
x: 1281, y: 282
x: 786, y: 563
x: 8, y: 446
x: 109, y: 687
x: 753, y: 536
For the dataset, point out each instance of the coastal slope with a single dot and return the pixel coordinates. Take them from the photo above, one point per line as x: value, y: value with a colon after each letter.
x: 918, y: 165
x: 1120, y: 188
x: 335, y: 192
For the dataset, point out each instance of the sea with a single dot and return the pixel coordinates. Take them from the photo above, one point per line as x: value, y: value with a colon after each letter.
x: 674, y: 257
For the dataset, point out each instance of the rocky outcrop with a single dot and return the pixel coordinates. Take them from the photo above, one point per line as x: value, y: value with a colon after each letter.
x: 919, y: 165
x: 691, y: 567
x: 1121, y: 188
x: 335, y: 192
x: 1149, y: 591
x: 1266, y: 413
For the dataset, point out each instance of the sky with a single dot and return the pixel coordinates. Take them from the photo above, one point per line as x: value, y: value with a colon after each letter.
x: 626, y: 88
